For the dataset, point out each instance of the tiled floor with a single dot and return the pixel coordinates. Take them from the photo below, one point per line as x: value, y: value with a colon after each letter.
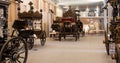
x: 88, y: 49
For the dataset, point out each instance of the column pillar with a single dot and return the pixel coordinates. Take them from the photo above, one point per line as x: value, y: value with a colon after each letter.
x: 12, y: 15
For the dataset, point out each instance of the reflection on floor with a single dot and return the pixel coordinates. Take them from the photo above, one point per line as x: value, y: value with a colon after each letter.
x: 88, y: 49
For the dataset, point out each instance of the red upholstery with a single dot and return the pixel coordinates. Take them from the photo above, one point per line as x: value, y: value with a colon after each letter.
x: 68, y: 19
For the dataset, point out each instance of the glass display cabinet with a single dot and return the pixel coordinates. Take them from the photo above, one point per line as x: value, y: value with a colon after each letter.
x: 3, y: 20
x: 15, y: 49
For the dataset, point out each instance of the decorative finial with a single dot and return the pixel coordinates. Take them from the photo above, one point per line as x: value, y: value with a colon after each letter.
x: 31, y: 7
x: 30, y: 3
x: 40, y: 10
x: 19, y: 1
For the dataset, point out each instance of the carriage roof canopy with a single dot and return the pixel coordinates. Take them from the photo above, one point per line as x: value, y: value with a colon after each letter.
x: 69, y: 13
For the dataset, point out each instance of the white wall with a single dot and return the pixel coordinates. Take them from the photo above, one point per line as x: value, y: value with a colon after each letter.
x: 24, y: 5
x: 59, y: 12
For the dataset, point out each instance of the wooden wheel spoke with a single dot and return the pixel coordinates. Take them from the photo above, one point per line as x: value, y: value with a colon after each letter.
x: 6, y: 60
x: 22, y: 57
x: 21, y: 52
x: 21, y: 47
x: 15, y: 62
x: 18, y: 61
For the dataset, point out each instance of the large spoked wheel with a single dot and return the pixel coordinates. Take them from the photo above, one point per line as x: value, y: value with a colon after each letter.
x: 14, y: 51
x: 43, y: 38
x: 30, y: 42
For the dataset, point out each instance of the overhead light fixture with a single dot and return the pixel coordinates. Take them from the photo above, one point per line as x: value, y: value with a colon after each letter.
x: 97, y: 8
x: 77, y: 8
x: 66, y: 7
x: 87, y: 9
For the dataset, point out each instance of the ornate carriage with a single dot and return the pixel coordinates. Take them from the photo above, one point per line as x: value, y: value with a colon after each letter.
x: 68, y: 25
x: 29, y: 21
x: 112, y: 39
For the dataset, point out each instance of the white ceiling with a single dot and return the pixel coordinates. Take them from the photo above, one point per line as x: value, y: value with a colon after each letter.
x: 77, y: 2
x: 81, y: 4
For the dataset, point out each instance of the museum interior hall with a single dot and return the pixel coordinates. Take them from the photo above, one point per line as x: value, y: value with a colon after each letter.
x: 59, y: 31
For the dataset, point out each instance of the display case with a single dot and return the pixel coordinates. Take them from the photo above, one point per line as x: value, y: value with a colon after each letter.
x: 3, y: 20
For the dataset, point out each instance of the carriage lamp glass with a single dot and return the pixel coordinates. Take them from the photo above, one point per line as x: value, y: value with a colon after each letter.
x: 53, y: 30
x: 108, y: 35
x: 34, y: 35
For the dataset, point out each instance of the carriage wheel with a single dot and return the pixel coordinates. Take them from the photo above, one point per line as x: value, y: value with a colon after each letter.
x: 14, y: 51
x: 76, y: 37
x: 43, y: 38
x: 117, y: 56
x: 64, y: 36
x: 107, y: 48
x: 107, y: 44
x: 30, y: 42
x: 59, y: 37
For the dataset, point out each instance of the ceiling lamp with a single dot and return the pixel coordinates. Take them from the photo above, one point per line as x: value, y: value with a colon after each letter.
x: 66, y: 7
x: 87, y: 9
x: 97, y: 8
x: 77, y: 8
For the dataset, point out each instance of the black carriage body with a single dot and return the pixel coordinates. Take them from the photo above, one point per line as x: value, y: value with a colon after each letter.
x: 68, y: 27
x: 27, y: 23
x: 20, y: 26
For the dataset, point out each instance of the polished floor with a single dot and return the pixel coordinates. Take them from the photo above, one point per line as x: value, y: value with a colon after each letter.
x: 88, y: 49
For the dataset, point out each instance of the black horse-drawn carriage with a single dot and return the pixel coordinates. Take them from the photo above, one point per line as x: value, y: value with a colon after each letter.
x: 27, y: 26
x: 112, y: 34
x: 68, y: 28
x: 68, y: 25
